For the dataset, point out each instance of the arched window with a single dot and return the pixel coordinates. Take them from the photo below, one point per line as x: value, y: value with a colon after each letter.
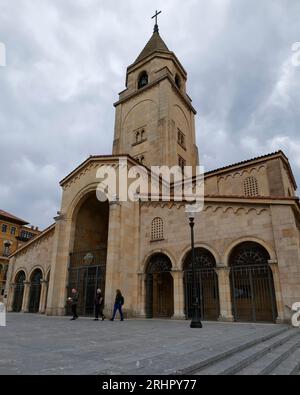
x: 178, y: 81
x: 137, y: 137
x: 157, y: 229
x: 18, y: 291
x: 251, y: 187
x: 143, y: 80
x: 6, y: 251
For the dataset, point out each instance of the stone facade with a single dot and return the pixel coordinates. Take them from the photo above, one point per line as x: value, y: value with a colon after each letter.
x: 252, y: 205
x: 34, y: 256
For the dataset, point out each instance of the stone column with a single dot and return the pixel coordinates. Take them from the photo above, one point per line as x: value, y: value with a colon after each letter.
x: 10, y: 297
x: 278, y: 295
x: 25, y: 304
x: 113, y: 256
x: 141, y: 295
x: 178, y: 295
x: 44, y: 290
x: 223, y: 273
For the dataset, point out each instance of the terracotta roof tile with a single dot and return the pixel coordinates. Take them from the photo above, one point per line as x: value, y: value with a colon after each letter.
x: 12, y: 217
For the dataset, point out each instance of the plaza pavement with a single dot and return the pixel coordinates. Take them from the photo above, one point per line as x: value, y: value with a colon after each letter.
x: 37, y: 344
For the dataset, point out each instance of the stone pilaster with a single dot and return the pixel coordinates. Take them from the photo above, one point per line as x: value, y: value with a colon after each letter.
x: 113, y: 255
x: 141, y: 311
x: 10, y: 297
x: 224, y: 294
x: 178, y: 295
x: 26, y: 295
x: 59, y: 267
x: 277, y: 286
x: 44, y: 291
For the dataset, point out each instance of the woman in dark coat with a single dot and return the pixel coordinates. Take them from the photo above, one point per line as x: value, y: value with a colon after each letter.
x: 119, y: 302
x: 99, y: 305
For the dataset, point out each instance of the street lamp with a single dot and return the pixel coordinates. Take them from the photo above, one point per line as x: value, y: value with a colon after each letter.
x: 196, y: 319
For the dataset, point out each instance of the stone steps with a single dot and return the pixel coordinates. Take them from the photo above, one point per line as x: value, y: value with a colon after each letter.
x: 290, y: 366
x: 275, y: 359
x: 263, y: 356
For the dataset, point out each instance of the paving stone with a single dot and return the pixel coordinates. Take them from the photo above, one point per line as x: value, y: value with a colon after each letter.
x: 36, y: 344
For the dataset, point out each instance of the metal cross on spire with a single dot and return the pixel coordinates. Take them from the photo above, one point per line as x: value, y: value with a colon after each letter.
x: 156, y: 24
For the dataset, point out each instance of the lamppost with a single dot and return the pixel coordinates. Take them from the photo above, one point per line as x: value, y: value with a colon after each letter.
x: 196, y: 319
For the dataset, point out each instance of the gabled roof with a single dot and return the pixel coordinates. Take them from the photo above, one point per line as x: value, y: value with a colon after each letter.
x: 155, y: 44
x: 12, y: 218
x: 257, y: 159
x: 99, y: 157
x: 33, y: 240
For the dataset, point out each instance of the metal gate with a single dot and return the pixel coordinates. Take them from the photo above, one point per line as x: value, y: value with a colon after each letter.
x: 86, y: 275
x: 18, y: 293
x: 159, y: 288
x: 253, y: 294
x: 207, y: 292
x: 35, y: 292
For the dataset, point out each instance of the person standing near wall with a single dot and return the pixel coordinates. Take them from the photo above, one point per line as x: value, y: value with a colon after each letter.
x: 119, y: 302
x: 99, y: 305
x: 74, y: 302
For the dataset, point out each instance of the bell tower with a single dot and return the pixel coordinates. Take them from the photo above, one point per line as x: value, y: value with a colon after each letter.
x: 155, y: 121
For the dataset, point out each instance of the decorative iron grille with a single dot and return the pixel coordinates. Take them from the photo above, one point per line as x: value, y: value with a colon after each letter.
x: 86, y: 274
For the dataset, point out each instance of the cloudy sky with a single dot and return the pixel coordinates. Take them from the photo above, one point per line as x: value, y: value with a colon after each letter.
x: 66, y: 63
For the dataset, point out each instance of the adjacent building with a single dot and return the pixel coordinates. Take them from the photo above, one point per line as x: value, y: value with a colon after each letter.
x: 14, y: 232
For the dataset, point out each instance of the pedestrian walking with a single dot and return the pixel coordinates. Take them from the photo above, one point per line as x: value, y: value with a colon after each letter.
x: 99, y: 305
x: 119, y: 302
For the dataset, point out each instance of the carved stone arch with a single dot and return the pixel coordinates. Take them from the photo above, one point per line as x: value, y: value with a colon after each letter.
x: 81, y: 196
x: 205, y: 246
x: 164, y: 251
x: 35, y: 268
x: 253, y: 171
x: 134, y: 107
x: 159, y: 263
x: 228, y: 210
x: 237, y: 174
x: 20, y: 270
x: 48, y: 273
x: 182, y: 112
x: 227, y: 252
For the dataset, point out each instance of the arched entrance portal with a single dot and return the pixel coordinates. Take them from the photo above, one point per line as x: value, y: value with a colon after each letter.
x: 88, y: 259
x: 35, y: 291
x: 159, y: 287
x: 206, y: 283
x: 252, y: 285
x: 19, y: 292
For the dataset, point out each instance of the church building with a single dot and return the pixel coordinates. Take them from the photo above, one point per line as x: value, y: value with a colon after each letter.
x: 247, y: 237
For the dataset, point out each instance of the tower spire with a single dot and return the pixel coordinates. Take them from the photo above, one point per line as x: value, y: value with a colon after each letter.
x: 156, y: 30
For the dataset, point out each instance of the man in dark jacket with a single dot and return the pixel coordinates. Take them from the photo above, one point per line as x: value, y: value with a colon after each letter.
x: 99, y: 305
x: 74, y: 302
